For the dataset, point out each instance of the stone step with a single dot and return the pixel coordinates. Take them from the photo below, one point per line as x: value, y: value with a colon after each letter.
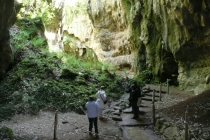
x: 151, y: 94
x: 143, y: 105
x: 116, y: 118
x: 149, y: 98
x: 151, y: 90
x: 145, y: 110
x: 141, y: 110
x: 128, y: 121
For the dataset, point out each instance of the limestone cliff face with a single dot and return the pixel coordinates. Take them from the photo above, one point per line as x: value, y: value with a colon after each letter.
x: 177, y: 33
x: 97, y: 28
x: 7, y: 18
x: 170, y: 38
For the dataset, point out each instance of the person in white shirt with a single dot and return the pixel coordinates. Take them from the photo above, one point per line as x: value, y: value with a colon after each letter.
x: 101, y: 100
x: 92, y: 113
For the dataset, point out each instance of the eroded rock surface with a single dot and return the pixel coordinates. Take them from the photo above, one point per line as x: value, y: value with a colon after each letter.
x: 7, y: 18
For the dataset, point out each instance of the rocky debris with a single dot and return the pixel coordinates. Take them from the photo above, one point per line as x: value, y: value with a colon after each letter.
x: 116, y: 108
x: 117, y: 112
x: 127, y: 110
x: 116, y: 118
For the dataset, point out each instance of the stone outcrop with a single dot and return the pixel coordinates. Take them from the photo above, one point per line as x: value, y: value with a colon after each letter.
x: 7, y: 17
x: 169, y: 38
x: 95, y: 29
x: 174, y: 39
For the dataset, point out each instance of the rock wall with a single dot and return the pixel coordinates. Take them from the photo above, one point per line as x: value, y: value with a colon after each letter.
x: 169, y: 38
x: 96, y: 26
x: 177, y: 33
x: 7, y: 18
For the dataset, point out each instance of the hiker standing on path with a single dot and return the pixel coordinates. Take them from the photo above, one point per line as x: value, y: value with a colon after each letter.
x: 134, y: 91
x: 92, y: 113
x: 101, y: 100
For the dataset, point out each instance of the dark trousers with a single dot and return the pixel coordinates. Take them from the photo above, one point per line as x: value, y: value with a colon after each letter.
x: 135, y: 109
x: 93, y: 121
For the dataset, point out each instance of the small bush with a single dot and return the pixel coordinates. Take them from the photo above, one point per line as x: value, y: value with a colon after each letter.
x: 6, y: 133
x: 3, y: 96
x: 147, y: 76
x: 6, y: 111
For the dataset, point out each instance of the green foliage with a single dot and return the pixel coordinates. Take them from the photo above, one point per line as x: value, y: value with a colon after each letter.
x: 102, y: 78
x: 52, y: 97
x: 38, y: 41
x: 67, y: 39
x: 3, y: 95
x: 127, y: 6
x: 138, y: 79
x: 42, y: 9
x: 28, y: 31
x: 17, y: 97
x: 73, y: 62
x: 147, y: 76
x: 18, y: 39
x: 46, y: 12
x: 6, y: 111
x: 107, y: 66
x: 6, y: 133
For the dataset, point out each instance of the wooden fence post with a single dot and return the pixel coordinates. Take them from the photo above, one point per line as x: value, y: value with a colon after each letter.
x: 186, y: 123
x: 55, y: 126
x: 153, y: 107
x: 168, y: 85
x: 153, y: 96
x: 153, y: 114
x: 160, y: 91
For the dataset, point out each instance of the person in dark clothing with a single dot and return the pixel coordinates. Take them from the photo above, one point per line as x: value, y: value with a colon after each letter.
x: 135, y: 93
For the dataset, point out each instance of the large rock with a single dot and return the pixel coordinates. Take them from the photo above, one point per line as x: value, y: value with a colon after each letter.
x: 7, y: 17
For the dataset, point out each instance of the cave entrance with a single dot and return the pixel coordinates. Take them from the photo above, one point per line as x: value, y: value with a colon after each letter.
x: 169, y: 68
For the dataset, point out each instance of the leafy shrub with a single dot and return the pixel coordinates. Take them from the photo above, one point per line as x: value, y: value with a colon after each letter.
x: 17, y: 97
x: 6, y: 111
x: 6, y: 133
x: 146, y: 76
x: 3, y: 96
x: 38, y: 41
